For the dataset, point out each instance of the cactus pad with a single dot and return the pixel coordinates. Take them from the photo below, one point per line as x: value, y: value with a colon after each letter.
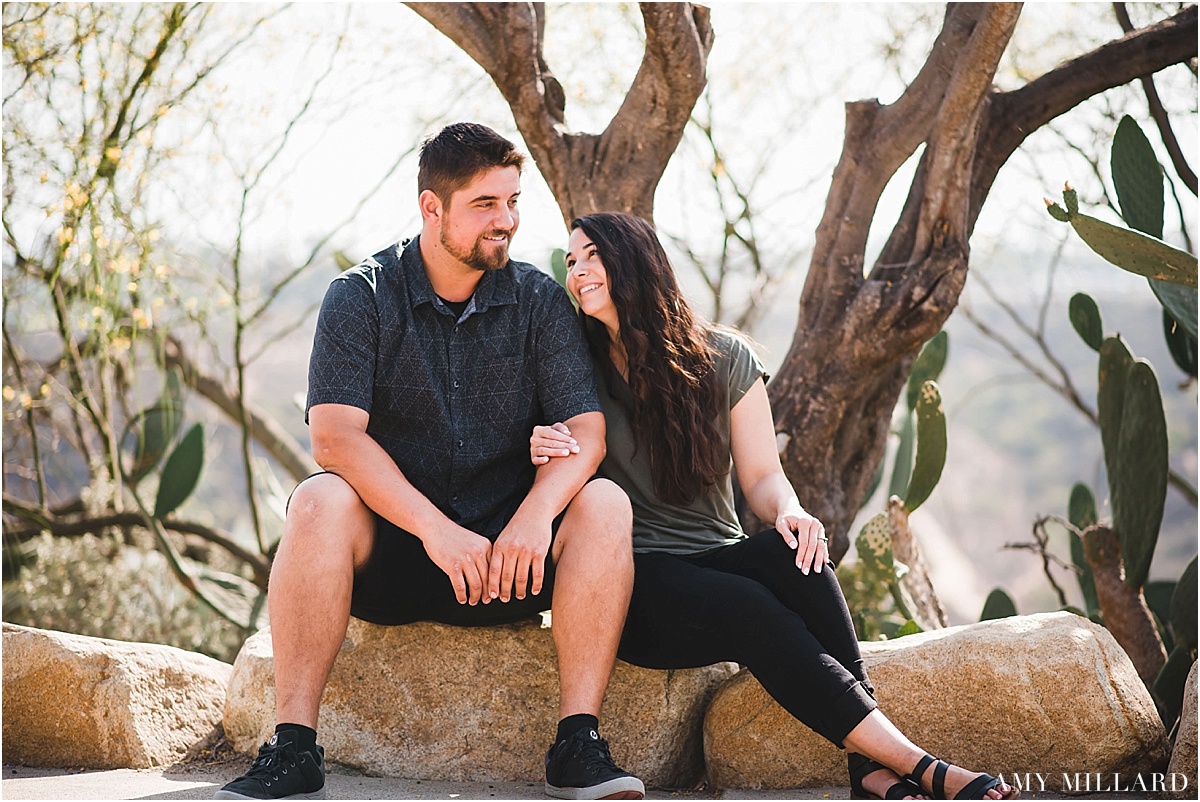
x: 1081, y: 512
x: 874, y: 543
x: 1138, y: 486
x: 1115, y: 360
x: 1138, y: 179
x: 1127, y: 249
x: 1179, y: 300
x: 928, y: 365
x: 1085, y: 318
x: 931, y: 446
x: 1183, y: 607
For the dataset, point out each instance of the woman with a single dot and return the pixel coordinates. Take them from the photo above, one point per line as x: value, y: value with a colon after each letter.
x: 683, y: 401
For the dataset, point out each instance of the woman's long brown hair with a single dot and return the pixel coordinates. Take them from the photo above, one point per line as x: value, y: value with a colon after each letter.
x: 676, y: 398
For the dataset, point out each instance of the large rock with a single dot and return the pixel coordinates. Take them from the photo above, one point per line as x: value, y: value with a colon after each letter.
x: 428, y: 701
x: 1183, y: 758
x: 1049, y: 693
x: 71, y: 700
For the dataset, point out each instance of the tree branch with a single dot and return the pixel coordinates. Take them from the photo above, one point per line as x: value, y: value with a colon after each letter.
x: 1182, y: 169
x: 620, y: 168
x: 1015, y: 115
x: 265, y: 429
x: 44, y: 521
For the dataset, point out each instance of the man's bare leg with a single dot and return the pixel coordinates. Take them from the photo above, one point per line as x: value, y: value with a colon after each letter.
x: 593, y: 579
x: 327, y: 535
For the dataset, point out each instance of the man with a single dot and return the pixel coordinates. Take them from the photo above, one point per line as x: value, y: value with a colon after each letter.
x: 431, y: 363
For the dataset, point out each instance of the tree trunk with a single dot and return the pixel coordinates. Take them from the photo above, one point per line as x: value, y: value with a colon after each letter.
x: 619, y: 169
x: 857, y: 337
x: 1125, y: 612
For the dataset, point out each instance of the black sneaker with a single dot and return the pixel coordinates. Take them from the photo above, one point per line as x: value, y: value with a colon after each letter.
x: 281, y: 771
x: 580, y: 767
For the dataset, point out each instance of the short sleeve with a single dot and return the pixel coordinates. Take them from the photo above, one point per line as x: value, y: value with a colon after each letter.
x: 565, y: 379
x: 745, y: 367
x: 341, y: 369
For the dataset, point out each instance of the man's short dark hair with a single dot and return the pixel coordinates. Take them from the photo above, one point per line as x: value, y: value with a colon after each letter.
x: 452, y: 157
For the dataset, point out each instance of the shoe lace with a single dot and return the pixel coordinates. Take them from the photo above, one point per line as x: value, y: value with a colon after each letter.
x: 593, y: 755
x: 273, y: 762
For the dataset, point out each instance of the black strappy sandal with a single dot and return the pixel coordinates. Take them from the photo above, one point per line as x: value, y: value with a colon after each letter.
x: 859, y: 766
x: 976, y: 789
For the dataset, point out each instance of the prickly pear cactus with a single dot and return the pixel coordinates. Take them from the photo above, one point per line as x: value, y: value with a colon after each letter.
x: 1183, y: 607
x: 1138, y: 179
x: 1133, y: 430
x: 1127, y: 249
x: 1179, y: 300
x: 928, y: 366
x: 998, y: 605
x: 874, y: 544
x: 1085, y: 318
x: 903, y: 467
x: 931, y: 446
x: 1081, y: 512
x: 1115, y: 360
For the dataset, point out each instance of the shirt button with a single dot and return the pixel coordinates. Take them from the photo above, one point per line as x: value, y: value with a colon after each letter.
x: 460, y: 443
x: 454, y: 497
x: 456, y: 383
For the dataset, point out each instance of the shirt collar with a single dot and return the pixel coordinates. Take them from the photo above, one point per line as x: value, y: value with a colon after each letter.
x: 497, y: 288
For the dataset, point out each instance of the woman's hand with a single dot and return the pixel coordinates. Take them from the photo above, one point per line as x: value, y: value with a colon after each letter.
x: 806, y: 535
x: 551, y: 441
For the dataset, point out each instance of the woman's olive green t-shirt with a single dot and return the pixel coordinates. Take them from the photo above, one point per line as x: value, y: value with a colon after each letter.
x: 710, y: 520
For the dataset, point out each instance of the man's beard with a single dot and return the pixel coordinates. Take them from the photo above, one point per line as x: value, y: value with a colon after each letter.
x: 477, y: 257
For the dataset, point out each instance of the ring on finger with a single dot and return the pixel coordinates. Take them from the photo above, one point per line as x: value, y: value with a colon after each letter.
x: 823, y: 539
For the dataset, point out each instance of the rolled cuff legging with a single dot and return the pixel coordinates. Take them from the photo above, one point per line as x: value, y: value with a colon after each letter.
x: 747, y: 602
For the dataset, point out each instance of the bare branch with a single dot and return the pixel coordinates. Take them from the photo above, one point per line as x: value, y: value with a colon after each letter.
x: 1041, y: 547
x: 44, y: 521
x: 265, y: 429
x: 1015, y: 115
x: 1182, y: 168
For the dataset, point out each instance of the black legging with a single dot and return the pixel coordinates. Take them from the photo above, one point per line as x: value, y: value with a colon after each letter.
x: 749, y: 603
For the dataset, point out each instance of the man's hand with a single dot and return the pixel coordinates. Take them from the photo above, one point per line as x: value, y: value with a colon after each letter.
x: 464, y: 556
x: 519, y: 550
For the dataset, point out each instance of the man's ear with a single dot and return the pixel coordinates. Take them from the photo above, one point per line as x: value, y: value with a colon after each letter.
x: 431, y: 207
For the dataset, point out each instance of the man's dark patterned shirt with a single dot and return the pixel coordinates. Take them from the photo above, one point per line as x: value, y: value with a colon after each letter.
x: 453, y: 401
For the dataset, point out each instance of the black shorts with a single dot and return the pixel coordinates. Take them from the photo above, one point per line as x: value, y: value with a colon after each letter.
x: 399, y: 584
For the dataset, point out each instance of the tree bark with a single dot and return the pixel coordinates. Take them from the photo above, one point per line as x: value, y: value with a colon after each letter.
x: 1126, y: 614
x: 857, y: 337
x: 619, y: 169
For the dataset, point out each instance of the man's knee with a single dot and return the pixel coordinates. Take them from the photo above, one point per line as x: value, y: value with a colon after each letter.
x: 325, y: 507
x: 603, y: 500
x: 601, y: 504
x: 599, y: 521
